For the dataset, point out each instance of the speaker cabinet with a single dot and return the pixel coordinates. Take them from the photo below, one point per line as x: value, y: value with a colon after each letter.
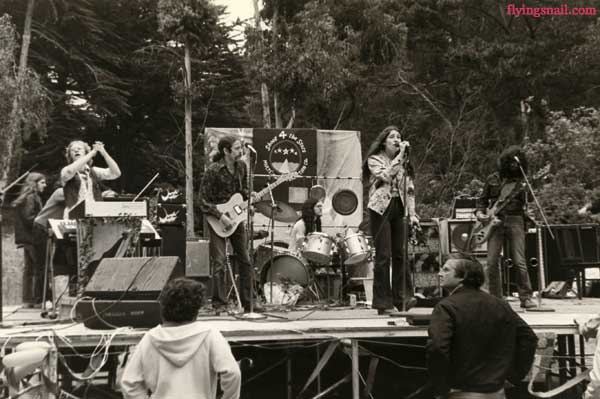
x: 171, y: 214
x: 458, y: 234
x: 173, y: 241
x: 126, y: 292
x: 531, y: 260
x: 197, y: 258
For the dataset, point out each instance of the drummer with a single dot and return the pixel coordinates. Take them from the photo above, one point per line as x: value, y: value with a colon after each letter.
x: 309, y: 222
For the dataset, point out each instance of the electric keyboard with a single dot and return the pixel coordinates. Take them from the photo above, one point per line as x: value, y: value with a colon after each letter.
x: 109, y: 209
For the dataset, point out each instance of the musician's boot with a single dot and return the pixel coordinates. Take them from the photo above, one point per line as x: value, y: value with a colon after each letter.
x: 527, y: 303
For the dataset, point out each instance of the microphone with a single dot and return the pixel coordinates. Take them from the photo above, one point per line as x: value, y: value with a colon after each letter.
x: 248, y: 146
x: 516, y: 158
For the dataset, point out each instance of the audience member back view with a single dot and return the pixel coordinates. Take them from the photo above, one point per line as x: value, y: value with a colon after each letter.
x: 181, y: 358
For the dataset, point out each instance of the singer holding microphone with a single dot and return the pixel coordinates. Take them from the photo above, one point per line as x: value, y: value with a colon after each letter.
x: 507, y: 185
x: 391, y: 189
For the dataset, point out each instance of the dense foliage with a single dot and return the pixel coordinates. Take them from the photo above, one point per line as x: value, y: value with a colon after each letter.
x: 461, y: 78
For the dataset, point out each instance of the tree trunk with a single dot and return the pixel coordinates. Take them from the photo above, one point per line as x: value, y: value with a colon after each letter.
x: 11, y: 156
x: 264, y: 90
x: 278, y: 124
x: 189, y: 172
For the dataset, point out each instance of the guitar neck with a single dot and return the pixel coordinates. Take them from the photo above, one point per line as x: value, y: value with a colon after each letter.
x: 265, y: 190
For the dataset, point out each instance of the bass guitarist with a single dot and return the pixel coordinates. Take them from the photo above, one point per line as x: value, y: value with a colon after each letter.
x: 225, y: 177
x: 508, y: 223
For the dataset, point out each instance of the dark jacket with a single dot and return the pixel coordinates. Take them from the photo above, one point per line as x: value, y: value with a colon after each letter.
x: 26, y: 211
x: 476, y: 343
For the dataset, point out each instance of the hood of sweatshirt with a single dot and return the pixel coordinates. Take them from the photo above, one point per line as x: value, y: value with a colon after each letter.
x: 179, y: 343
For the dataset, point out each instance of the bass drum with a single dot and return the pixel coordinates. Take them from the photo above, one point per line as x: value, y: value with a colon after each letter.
x: 286, y: 269
x: 262, y: 253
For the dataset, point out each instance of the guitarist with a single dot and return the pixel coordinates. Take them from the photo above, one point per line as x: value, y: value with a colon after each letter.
x: 225, y: 177
x: 509, y: 224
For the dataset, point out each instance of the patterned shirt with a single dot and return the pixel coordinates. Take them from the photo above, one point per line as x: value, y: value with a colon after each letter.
x: 219, y: 184
x: 386, y: 181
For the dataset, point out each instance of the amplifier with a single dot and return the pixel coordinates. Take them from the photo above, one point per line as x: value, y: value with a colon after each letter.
x: 459, y: 231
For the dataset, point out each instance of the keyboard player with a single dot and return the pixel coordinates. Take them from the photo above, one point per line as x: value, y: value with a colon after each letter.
x: 80, y: 179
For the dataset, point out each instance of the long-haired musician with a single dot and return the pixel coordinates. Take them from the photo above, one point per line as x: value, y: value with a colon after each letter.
x: 386, y: 169
x: 79, y: 178
x: 309, y: 222
x: 506, y: 186
x: 225, y: 177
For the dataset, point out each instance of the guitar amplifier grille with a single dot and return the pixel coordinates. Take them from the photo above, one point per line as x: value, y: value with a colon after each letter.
x: 459, y: 231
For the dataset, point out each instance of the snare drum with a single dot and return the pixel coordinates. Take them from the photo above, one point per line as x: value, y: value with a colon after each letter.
x: 357, y: 248
x: 286, y: 268
x: 318, y: 248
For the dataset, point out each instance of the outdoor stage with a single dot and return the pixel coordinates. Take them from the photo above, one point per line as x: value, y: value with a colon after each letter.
x: 329, y: 330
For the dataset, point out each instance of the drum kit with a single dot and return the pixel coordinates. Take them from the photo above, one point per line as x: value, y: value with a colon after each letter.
x: 277, y: 265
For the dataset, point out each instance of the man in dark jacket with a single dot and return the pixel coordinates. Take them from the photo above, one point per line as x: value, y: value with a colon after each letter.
x: 476, y: 341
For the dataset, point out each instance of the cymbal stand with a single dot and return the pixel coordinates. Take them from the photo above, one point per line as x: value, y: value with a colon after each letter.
x: 250, y: 230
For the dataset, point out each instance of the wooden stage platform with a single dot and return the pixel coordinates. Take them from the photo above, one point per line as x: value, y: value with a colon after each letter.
x: 303, y: 324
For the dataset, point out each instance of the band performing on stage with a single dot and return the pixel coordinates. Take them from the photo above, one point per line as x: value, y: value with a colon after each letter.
x: 317, y: 242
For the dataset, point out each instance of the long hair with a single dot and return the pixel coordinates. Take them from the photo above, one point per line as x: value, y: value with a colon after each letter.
x: 311, y: 221
x: 86, y: 147
x: 505, y: 159
x: 224, y: 143
x: 378, y: 146
x: 30, y: 186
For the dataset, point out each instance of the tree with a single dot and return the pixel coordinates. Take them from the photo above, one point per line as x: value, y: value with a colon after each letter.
x: 24, y: 106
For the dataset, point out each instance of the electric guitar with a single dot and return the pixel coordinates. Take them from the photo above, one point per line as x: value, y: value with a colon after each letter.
x: 483, y: 229
x: 236, y: 209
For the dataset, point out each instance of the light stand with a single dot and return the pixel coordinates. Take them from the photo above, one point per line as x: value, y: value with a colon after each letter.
x: 540, y: 245
x: 251, y: 315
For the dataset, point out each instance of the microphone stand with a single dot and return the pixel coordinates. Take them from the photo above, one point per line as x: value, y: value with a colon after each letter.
x: 540, y: 244
x: 405, y: 233
x: 250, y: 245
x: 272, y: 225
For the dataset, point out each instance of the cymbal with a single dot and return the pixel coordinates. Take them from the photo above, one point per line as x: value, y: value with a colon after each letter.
x: 282, y: 211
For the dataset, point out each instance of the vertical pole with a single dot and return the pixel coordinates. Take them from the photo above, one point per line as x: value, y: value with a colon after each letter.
x: 289, y: 375
x: 355, y: 382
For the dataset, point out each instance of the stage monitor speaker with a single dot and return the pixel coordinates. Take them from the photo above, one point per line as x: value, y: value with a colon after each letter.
x: 459, y: 231
x: 197, y: 258
x: 126, y: 292
x: 133, y: 278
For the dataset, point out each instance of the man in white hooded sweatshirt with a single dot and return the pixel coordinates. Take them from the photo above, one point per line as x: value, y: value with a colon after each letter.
x: 181, y: 358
